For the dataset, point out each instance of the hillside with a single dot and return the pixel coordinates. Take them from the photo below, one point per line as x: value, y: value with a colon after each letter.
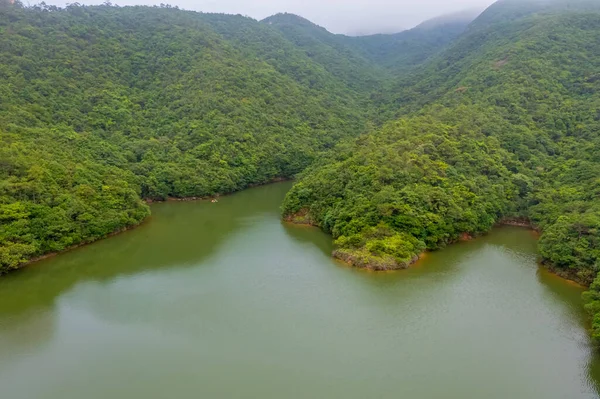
x: 400, y: 52
x: 510, y: 10
x: 504, y: 124
x: 101, y: 107
x: 334, y: 52
x: 368, y: 62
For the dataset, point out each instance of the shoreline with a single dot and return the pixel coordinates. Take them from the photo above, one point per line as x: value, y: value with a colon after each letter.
x: 567, y: 275
x: 148, y: 201
x: 218, y: 195
x: 518, y: 222
x: 302, y: 218
x: 80, y: 245
x: 385, y: 265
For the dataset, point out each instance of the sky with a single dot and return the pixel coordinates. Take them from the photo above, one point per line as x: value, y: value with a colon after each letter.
x: 338, y: 16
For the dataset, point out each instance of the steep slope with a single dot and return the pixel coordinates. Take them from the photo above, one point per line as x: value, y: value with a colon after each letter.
x: 511, y: 10
x: 270, y: 45
x: 368, y: 62
x: 400, y: 52
x: 498, y: 27
x: 331, y: 51
x: 100, y: 106
x: 503, y: 125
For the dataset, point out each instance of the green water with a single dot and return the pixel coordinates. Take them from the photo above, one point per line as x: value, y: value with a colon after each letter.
x: 224, y: 301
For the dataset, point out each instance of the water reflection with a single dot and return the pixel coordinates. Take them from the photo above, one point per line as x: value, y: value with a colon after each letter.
x: 179, y: 234
x: 226, y: 300
x: 577, y: 320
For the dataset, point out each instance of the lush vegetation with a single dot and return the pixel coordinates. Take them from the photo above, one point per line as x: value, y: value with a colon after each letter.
x: 504, y: 124
x: 421, y: 182
x: 103, y: 106
x: 534, y: 92
x: 338, y: 54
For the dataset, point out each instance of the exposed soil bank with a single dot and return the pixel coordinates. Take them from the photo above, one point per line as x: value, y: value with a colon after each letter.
x: 519, y: 222
x: 211, y: 197
x: 301, y: 217
x: 570, y: 275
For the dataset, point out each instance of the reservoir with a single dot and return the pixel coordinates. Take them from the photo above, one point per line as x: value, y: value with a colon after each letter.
x: 223, y: 300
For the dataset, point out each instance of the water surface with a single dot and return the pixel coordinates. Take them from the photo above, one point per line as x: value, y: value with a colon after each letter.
x: 224, y: 301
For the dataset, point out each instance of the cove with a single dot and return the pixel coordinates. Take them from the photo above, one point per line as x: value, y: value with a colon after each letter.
x: 226, y: 301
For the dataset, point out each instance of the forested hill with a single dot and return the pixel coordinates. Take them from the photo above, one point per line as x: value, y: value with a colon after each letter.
x: 369, y: 61
x: 503, y: 125
x: 400, y: 52
x: 510, y: 10
x: 333, y: 52
x: 490, y: 38
x: 102, y: 106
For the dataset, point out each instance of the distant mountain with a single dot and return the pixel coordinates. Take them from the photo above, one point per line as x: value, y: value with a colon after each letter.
x: 336, y: 53
x: 500, y: 25
x: 356, y: 58
x: 510, y: 10
x: 464, y: 17
x: 402, y: 51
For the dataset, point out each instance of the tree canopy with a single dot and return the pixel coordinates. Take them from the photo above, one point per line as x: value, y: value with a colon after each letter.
x: 503, y: 124
x: 101, y: 107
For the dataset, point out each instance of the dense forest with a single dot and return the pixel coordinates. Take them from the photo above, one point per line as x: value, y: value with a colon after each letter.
x: 101, y: 107
x: 503, y: 125
x: 401, y: 143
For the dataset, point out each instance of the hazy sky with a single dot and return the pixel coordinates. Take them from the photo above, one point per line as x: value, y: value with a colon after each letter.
x: 338, y: 16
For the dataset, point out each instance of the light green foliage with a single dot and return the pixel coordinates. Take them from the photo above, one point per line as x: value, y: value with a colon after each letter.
x: 380, y: 247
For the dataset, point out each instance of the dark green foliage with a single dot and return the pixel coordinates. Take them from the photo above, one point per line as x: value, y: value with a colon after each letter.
x: 102, y: 106
x: 429, y: 177
x: 336, y: 53
x: 517, y: 103
x: 400, y: 52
